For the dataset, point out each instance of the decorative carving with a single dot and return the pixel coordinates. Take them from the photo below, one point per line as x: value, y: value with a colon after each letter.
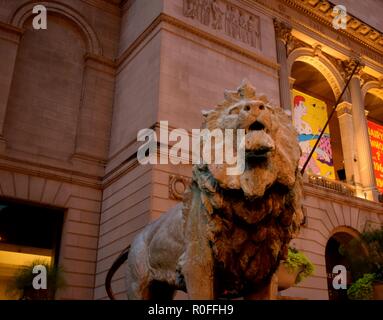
x: 337, y: 63
x: 294, y: 43
x: 344, y: 108
x: 239, y: 24
x: 217, y: 15
x: 349, y: 65
x: 177, y: 186
x: 282, y: 31
x: 365, y: 77
x: 231, y: 232
x: 317, y: 50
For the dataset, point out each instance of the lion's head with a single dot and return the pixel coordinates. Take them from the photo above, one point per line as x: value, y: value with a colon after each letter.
x: 271, y: 147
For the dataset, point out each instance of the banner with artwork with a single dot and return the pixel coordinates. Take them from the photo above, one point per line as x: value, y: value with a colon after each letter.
x: 375, y: 132
x: 309, y: 117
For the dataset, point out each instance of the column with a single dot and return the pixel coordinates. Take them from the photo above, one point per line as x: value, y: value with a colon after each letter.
x: 95, y: 113
x: 344, y: 112
x: 9, y: 44
x: 361, y: 137
x: 291, y: 86
x: 283, y: 35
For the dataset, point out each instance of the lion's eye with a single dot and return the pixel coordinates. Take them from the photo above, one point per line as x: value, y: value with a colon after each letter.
x: 261, y: 107
x: 234, y: 111
x: 247, y: 108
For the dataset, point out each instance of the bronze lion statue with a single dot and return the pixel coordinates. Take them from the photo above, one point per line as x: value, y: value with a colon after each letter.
x: 228, y: 236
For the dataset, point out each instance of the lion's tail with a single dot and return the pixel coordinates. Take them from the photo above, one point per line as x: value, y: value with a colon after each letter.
x: 115, y: 266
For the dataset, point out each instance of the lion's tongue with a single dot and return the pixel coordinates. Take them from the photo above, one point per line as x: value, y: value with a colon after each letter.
x: 259, y: 140
x: 254, y: 181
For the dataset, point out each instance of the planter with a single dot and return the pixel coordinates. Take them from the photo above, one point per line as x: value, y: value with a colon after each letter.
x: 378, y: 290
x: 286, y: 278
x: 29, y: 293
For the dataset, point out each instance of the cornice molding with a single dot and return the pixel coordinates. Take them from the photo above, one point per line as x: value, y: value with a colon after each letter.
x: 107, y: 6
x: 10, y: 33
x: 357, y: 30
x: 52, y: 173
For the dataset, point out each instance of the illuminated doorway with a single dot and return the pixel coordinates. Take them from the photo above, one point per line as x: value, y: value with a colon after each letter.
x: 27, y: 233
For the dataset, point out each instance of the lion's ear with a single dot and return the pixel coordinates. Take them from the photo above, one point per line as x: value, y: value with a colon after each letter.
x: 205, y: 113
x: 263, y: 98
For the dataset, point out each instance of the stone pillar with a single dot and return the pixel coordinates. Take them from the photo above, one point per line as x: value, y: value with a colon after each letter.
x: 9, y: 43
x: 344, y: 111
x: 291, y: 86
x: 361, y: 137
x: 95, y: 110
x: 282, y: 36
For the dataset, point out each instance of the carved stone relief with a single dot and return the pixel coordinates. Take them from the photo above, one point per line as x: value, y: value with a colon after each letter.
x: 348, y: 66
x: 177, y: 186
x: 221, y: 15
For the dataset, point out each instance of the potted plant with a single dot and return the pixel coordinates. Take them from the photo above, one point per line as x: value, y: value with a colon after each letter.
x: 294, y: 269
x: 21, y: 285
x: 362, y: 289
x: 365, y: 255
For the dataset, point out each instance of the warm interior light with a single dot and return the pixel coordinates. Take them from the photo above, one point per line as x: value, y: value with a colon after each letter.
x: 10, y: 261
x: 21, y: 259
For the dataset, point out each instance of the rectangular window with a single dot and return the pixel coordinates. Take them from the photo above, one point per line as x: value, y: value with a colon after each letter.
x: 27, y: 233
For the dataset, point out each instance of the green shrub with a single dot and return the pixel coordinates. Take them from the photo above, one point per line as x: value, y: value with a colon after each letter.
x: 298, y: 261
x: 362, y: 289
x: 21, y: 284
x: 365, y: 254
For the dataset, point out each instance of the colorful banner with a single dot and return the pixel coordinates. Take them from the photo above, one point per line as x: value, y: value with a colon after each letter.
x: 309, y: 117
x: 375, y: 132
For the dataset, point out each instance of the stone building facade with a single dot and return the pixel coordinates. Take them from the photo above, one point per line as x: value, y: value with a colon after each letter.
x: 74, y: 96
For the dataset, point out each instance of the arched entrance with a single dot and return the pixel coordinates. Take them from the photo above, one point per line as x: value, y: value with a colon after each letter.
x: 313, y: 99
x: 334, y: 257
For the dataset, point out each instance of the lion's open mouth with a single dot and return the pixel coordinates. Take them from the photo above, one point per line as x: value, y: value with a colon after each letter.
x: 258, y: 143
x: 259, y: 153
x: 256, y: 126
x: 256, y: 157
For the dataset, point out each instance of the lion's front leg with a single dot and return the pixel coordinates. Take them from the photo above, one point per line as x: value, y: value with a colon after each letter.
x: 197, y: 270
x: 197, y: 262
x: 267, y: 292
